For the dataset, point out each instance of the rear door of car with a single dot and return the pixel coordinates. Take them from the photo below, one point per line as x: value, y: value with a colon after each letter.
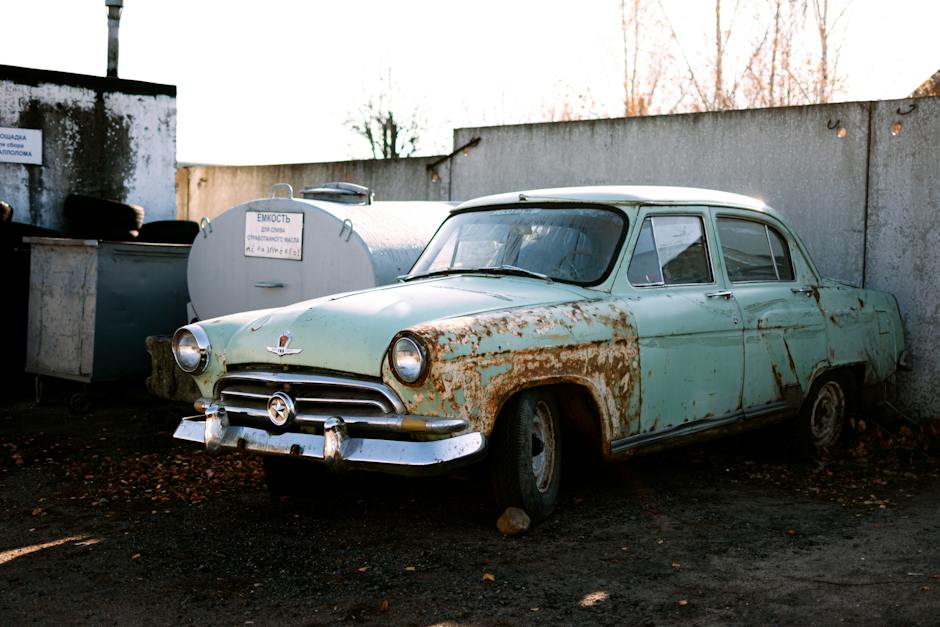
x: 784, y: 329
x: 689, y: 326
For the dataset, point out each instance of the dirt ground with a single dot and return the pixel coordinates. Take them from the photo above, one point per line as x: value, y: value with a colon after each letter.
x: 104, y: 519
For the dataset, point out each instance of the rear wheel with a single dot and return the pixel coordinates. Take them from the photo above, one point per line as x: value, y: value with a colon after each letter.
x: 822, y: 417
x: 525, y: 456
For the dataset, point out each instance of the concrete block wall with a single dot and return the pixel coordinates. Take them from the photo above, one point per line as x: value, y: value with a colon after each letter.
x: 903, y: 244
x: 210, y: 190
x: 101, y: 136
x: 789, y: 158
x: 863, y: 194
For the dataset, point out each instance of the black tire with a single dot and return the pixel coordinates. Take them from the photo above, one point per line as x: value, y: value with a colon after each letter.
x: 169, y: 232
x: 821, y: 421
x: 41, y: 391
x: 88, y: 216
x: 79, y: 403
x: 288, y: 476
x: 525, y: 454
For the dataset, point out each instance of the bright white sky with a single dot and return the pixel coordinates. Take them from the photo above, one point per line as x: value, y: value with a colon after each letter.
x: 274, y: 81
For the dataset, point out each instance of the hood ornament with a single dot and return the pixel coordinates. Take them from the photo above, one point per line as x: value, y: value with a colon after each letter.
x: 282, y: 343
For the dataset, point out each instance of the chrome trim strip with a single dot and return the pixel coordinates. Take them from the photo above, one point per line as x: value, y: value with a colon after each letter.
x: 341, y: 401
x: 246, y: 394
x: 698, y: 426
x: 399, y: 423
x: 306, y: 399
x: 285, y: 378
x: 395, y: 456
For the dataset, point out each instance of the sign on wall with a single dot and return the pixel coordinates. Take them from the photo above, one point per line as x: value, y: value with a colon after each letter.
x: 20, y: 145
x: 274, y: 234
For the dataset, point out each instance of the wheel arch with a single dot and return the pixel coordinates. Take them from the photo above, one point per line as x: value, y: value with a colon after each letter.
x: 582, y: 414
x: 853, y: 372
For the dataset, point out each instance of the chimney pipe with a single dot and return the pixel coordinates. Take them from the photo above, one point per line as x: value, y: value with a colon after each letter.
x: 114, y: 22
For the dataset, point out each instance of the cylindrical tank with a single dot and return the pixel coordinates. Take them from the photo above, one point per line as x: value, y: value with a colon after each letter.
x: 277, y: 251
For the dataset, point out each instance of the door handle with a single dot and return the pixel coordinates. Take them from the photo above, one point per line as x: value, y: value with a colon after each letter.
x: 269, y: 284
x: 802, y: 290
x: 727, y: 295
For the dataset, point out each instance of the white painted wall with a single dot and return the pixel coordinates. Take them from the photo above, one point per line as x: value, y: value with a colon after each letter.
x: 104, y: 137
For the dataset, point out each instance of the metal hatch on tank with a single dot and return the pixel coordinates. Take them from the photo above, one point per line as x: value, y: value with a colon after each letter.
x: 280, y: 250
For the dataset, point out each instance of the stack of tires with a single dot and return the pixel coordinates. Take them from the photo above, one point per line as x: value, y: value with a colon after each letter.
x: 98, y: 218
x: 89, y: 217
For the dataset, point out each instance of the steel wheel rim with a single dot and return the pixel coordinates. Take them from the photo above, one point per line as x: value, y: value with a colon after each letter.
x: 543, y: 462
x: 826, y: 418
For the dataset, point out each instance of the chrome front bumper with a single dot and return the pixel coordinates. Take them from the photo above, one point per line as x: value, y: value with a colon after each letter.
x: 335, y: 447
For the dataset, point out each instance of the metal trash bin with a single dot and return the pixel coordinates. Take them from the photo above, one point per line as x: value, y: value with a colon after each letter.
x: 92, y: 304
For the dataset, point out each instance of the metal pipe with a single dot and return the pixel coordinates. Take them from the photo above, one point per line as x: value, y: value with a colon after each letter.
x: 114, y: 22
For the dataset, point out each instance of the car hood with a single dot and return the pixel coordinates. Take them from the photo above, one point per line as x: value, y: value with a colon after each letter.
x: 351, y: 332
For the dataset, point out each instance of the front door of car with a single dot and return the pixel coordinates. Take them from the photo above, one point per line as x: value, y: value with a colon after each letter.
x: 689, y: 327
x: 784, y: 330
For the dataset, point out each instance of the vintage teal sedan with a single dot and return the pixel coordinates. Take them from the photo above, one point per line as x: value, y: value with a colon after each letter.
x: 624, y: 319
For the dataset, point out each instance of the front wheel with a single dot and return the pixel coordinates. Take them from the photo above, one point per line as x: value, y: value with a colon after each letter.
x: 525, y: 455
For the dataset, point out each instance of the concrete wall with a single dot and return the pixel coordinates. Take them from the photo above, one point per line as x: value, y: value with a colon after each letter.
x: 787, y: 157
x: 865, y: 201
x: 210, y: 190
x: 903, y: 252
x: 105, y: 137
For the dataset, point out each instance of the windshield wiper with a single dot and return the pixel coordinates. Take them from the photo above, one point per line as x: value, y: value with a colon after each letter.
x: 424, y: 275
x: 501, y: 269
x: 508, y: 269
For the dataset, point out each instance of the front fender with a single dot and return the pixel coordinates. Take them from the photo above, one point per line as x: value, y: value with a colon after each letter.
x: 477, y: 363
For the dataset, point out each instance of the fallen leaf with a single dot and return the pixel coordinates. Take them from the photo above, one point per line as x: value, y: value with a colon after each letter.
x: 676, y: 565
x: 660, y: 541
x: 384, y: 606
x: 682, y: 602
x: 37, y: 511
x: 135, y: 556
x: 410, y: 568
x: 489, y: 577
x: 362, y: 569
x: 791, y: 532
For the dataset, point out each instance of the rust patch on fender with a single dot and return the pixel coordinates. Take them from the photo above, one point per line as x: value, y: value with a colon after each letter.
x: 478, y: 362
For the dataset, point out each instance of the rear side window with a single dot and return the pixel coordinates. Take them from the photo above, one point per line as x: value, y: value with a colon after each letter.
x: 670, y: 250
x: 754, y: 251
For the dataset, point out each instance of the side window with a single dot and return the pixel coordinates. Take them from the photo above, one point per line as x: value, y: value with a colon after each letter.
x: 754, y: 251
x: 781, y: 252
x: 670, y: 250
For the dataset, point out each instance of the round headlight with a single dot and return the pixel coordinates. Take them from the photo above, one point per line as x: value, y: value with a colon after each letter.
x: 408, y: 360
x: 191, y: 349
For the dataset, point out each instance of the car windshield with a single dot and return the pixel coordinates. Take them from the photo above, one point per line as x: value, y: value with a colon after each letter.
x: 573, y: 245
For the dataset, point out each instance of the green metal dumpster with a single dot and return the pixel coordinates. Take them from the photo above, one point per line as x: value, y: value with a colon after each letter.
x: 93, y: 303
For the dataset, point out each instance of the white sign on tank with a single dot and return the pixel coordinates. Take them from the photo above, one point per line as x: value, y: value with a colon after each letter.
x: 275, y: 235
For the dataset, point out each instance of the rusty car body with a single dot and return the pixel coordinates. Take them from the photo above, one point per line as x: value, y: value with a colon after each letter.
x: 623, y: 318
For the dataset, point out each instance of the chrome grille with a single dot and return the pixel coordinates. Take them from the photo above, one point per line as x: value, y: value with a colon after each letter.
x: 315, y: 397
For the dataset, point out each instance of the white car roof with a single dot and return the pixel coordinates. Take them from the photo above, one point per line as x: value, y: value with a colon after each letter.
x: 623, y: 194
